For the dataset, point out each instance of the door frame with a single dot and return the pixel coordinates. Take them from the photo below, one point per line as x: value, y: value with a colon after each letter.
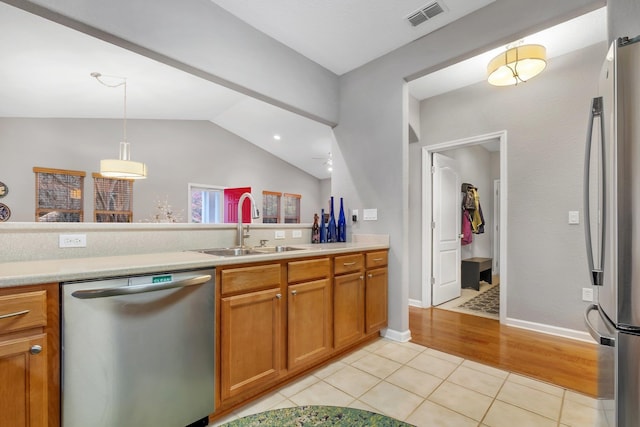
x: 427, y: 257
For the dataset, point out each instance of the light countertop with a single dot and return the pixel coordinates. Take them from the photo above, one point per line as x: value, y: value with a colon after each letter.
x: 62, y: 270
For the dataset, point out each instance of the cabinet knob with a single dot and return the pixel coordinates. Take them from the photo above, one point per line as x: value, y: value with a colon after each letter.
x: 278, y: 296
x: 369, y: 275
x: 294, y: 292
x: 361, y: 277
x: 35, y: 349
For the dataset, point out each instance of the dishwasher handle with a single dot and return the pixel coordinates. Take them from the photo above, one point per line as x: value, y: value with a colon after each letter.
x: 600, y: 338
x: 139, y: 289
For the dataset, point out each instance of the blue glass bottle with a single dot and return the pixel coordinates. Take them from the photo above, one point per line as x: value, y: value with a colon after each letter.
x: 332, y: 231
x: 323, y: 229
x: 342, y: 224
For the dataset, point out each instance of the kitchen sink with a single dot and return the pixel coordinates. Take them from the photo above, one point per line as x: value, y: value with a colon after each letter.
x: 230, y: 252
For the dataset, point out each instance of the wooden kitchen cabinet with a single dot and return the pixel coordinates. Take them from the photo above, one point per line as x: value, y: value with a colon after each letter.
x: 309, y: 311
x: 348, y: 300
x: 251, y: 338
x: 376, y: 291
x: 277, y: 320
x: 29, y: 356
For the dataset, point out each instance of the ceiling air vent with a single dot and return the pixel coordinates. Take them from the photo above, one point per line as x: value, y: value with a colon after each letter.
x: 428, y: 12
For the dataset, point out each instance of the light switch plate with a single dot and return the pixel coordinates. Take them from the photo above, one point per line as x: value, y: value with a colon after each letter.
x: 279, y: 234
x: 296, y: 234
x: 369, y: 214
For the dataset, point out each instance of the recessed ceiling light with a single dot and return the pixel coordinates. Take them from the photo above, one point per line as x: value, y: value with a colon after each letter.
x: 276, y: 137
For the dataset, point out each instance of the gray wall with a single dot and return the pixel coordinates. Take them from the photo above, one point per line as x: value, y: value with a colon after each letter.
x: 623, y: 18
x: 372, y: 135
x: 546, y: 122
x: 176, y: 153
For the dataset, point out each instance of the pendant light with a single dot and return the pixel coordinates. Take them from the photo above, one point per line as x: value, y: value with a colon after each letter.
x: 517, y: 64
x: 123, y: 167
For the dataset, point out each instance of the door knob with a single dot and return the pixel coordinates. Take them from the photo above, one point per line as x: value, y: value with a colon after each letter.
x: 460, y: 236
x: 35, y: 349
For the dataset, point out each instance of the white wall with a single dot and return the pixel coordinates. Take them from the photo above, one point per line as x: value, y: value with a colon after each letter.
x: 546, y: 121
x: 176, y: 152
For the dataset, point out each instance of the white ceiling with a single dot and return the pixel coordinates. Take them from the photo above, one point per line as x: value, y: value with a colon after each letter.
x: 344, y: 34
x: 45, y: 68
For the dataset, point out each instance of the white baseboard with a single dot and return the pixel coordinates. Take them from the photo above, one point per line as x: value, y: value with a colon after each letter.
x: 393, y: 335
x: 415, y: 303
x: 550, y: 330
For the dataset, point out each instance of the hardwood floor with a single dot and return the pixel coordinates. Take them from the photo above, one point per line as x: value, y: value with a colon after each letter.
x: 564, y: 362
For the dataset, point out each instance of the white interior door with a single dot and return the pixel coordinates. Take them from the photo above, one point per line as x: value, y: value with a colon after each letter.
x: 446, y: 230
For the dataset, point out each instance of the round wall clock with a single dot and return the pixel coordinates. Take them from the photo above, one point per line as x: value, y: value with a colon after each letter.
x: 4, y: 190
x: 5, y: 212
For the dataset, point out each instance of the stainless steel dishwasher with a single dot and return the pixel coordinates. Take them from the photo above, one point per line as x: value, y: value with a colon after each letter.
x: 138, y: 351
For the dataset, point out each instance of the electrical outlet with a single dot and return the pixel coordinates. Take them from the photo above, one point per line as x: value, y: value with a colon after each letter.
x: 587, y: 294
x: 296, y: 234
x: 72, y: 241
x: 279, y: 234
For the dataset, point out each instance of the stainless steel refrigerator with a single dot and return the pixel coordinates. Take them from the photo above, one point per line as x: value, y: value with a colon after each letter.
x: 612, y: 228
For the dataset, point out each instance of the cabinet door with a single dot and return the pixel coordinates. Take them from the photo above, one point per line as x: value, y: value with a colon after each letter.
x: 376, y: 299
x: 309, y: 322
x: 348, y: 309
x: 23, y: 382
x: 251, y: 340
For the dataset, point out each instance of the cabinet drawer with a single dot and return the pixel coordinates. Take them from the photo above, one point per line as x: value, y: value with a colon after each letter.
x: 246, y: 279
x: 376, y: 259
x: 300, y: 271
x: 23, y: 311
x: 348, y: 263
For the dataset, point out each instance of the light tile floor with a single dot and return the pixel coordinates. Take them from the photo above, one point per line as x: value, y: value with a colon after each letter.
x: 426, y: 387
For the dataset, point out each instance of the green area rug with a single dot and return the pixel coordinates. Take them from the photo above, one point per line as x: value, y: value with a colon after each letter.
x: 317, y: 416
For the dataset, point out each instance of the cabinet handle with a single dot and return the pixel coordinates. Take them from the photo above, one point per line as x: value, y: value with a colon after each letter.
x: 346, y: 264
x: 278, y: 296
x: 377, y: 259
x: 36, y: 349
x: 17, y: 313
x: 370, y: 275
x: 294, y: 292
x: 361, y: 277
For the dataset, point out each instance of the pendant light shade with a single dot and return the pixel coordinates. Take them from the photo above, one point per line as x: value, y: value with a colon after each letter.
x: 517, y: 64
x: 123, y: 167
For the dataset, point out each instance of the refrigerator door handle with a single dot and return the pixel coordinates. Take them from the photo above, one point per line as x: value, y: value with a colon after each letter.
x: 596, y: 111
x: 600, y: 338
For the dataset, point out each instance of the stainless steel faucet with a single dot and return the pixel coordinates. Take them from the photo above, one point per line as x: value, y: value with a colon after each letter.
x: 254, y: 214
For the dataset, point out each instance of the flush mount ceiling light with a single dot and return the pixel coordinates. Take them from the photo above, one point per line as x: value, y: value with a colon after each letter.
x: 123, y: 167
x: 517, y: 64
